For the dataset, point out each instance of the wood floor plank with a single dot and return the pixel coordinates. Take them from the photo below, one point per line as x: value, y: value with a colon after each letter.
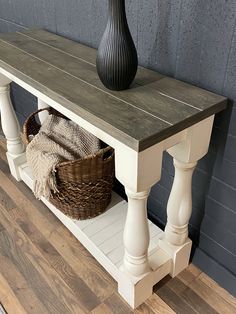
x: 102, y: 309
x: 79, y: 298
x: 25, y: 205
x: 214, y: 286
x: 144, y: 309
x: 188, y: 275
x: 3, y: 165
x: 19, y: 284
x: 193, y: 270
x: 99, y: 281
x: 6, y: 201
x: 158, y: 306
x: 1, y: 227
x: 9, y: 299
x: 176, y: 285
x: 117, y: 305
x: 20, y: 185
x: 175, y: 302
x: 21, y: 262
x: 215, y: 300
x: 3, y: 144
x: 57, y: 262
x: 196, y: 302
x: 44, y: 281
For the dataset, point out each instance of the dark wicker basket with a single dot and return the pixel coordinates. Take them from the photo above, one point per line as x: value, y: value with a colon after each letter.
x: 84, y: 185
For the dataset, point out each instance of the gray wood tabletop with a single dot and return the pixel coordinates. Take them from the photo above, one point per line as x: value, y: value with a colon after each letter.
x: 153, y: 109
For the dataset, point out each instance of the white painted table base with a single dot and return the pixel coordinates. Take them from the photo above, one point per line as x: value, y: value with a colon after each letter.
x: 135, y: 262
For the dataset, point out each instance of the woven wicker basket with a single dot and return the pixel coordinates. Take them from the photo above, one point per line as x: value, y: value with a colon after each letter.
x: 84, y: 185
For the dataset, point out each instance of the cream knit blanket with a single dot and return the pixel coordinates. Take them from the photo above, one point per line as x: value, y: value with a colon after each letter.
x: 58, y: 140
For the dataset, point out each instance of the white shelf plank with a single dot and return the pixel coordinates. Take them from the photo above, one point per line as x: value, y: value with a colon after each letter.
x: 115, y: 213
x: 100, y: 238
x: 117, y: 254
x: 112, y: 243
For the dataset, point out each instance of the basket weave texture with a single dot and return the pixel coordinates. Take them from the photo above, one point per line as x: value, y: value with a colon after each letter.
x: 85, y: 184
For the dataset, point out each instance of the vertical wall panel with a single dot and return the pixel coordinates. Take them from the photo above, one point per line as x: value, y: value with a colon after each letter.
x: 229, y: 87
x: 191, y: 30
x: 98, y: 20
x: 158, y: 27
x: 29, y: 13
x: 132, y: 11
x: 219, y: 24
x: 74, y: 19
x: 6, y: 11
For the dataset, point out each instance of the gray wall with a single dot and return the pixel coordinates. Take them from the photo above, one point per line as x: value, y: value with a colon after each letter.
x: 192, y: 40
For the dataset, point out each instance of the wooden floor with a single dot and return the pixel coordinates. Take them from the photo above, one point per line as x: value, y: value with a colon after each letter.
x: 44, y: 269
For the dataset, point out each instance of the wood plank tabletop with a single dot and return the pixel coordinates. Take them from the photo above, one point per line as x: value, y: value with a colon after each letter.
x: 153, y: 109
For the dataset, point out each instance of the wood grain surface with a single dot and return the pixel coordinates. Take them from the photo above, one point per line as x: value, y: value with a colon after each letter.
x: 154, y: 108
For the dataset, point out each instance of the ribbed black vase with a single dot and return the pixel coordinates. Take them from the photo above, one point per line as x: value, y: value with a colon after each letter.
x: 117, y: 59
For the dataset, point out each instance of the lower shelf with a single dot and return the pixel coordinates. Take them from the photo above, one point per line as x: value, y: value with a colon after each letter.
x: 103, y: 235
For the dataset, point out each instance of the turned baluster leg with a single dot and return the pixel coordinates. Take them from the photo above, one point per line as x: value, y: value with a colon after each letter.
x: 10, y: 125
x: 136, y: 234
x: 179, y: 208
x: 137, y: 171
x: 11, y: 129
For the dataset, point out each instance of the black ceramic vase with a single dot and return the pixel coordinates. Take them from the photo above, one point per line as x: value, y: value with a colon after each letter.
x: 117, y: 59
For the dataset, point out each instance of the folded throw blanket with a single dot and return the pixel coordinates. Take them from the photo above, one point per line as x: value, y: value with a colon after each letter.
x: 58, y: 140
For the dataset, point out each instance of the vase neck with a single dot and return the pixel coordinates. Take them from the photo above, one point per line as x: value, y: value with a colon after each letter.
x: 116, y: 9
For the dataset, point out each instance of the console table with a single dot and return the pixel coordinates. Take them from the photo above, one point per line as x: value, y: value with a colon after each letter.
x: 157, y: 113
